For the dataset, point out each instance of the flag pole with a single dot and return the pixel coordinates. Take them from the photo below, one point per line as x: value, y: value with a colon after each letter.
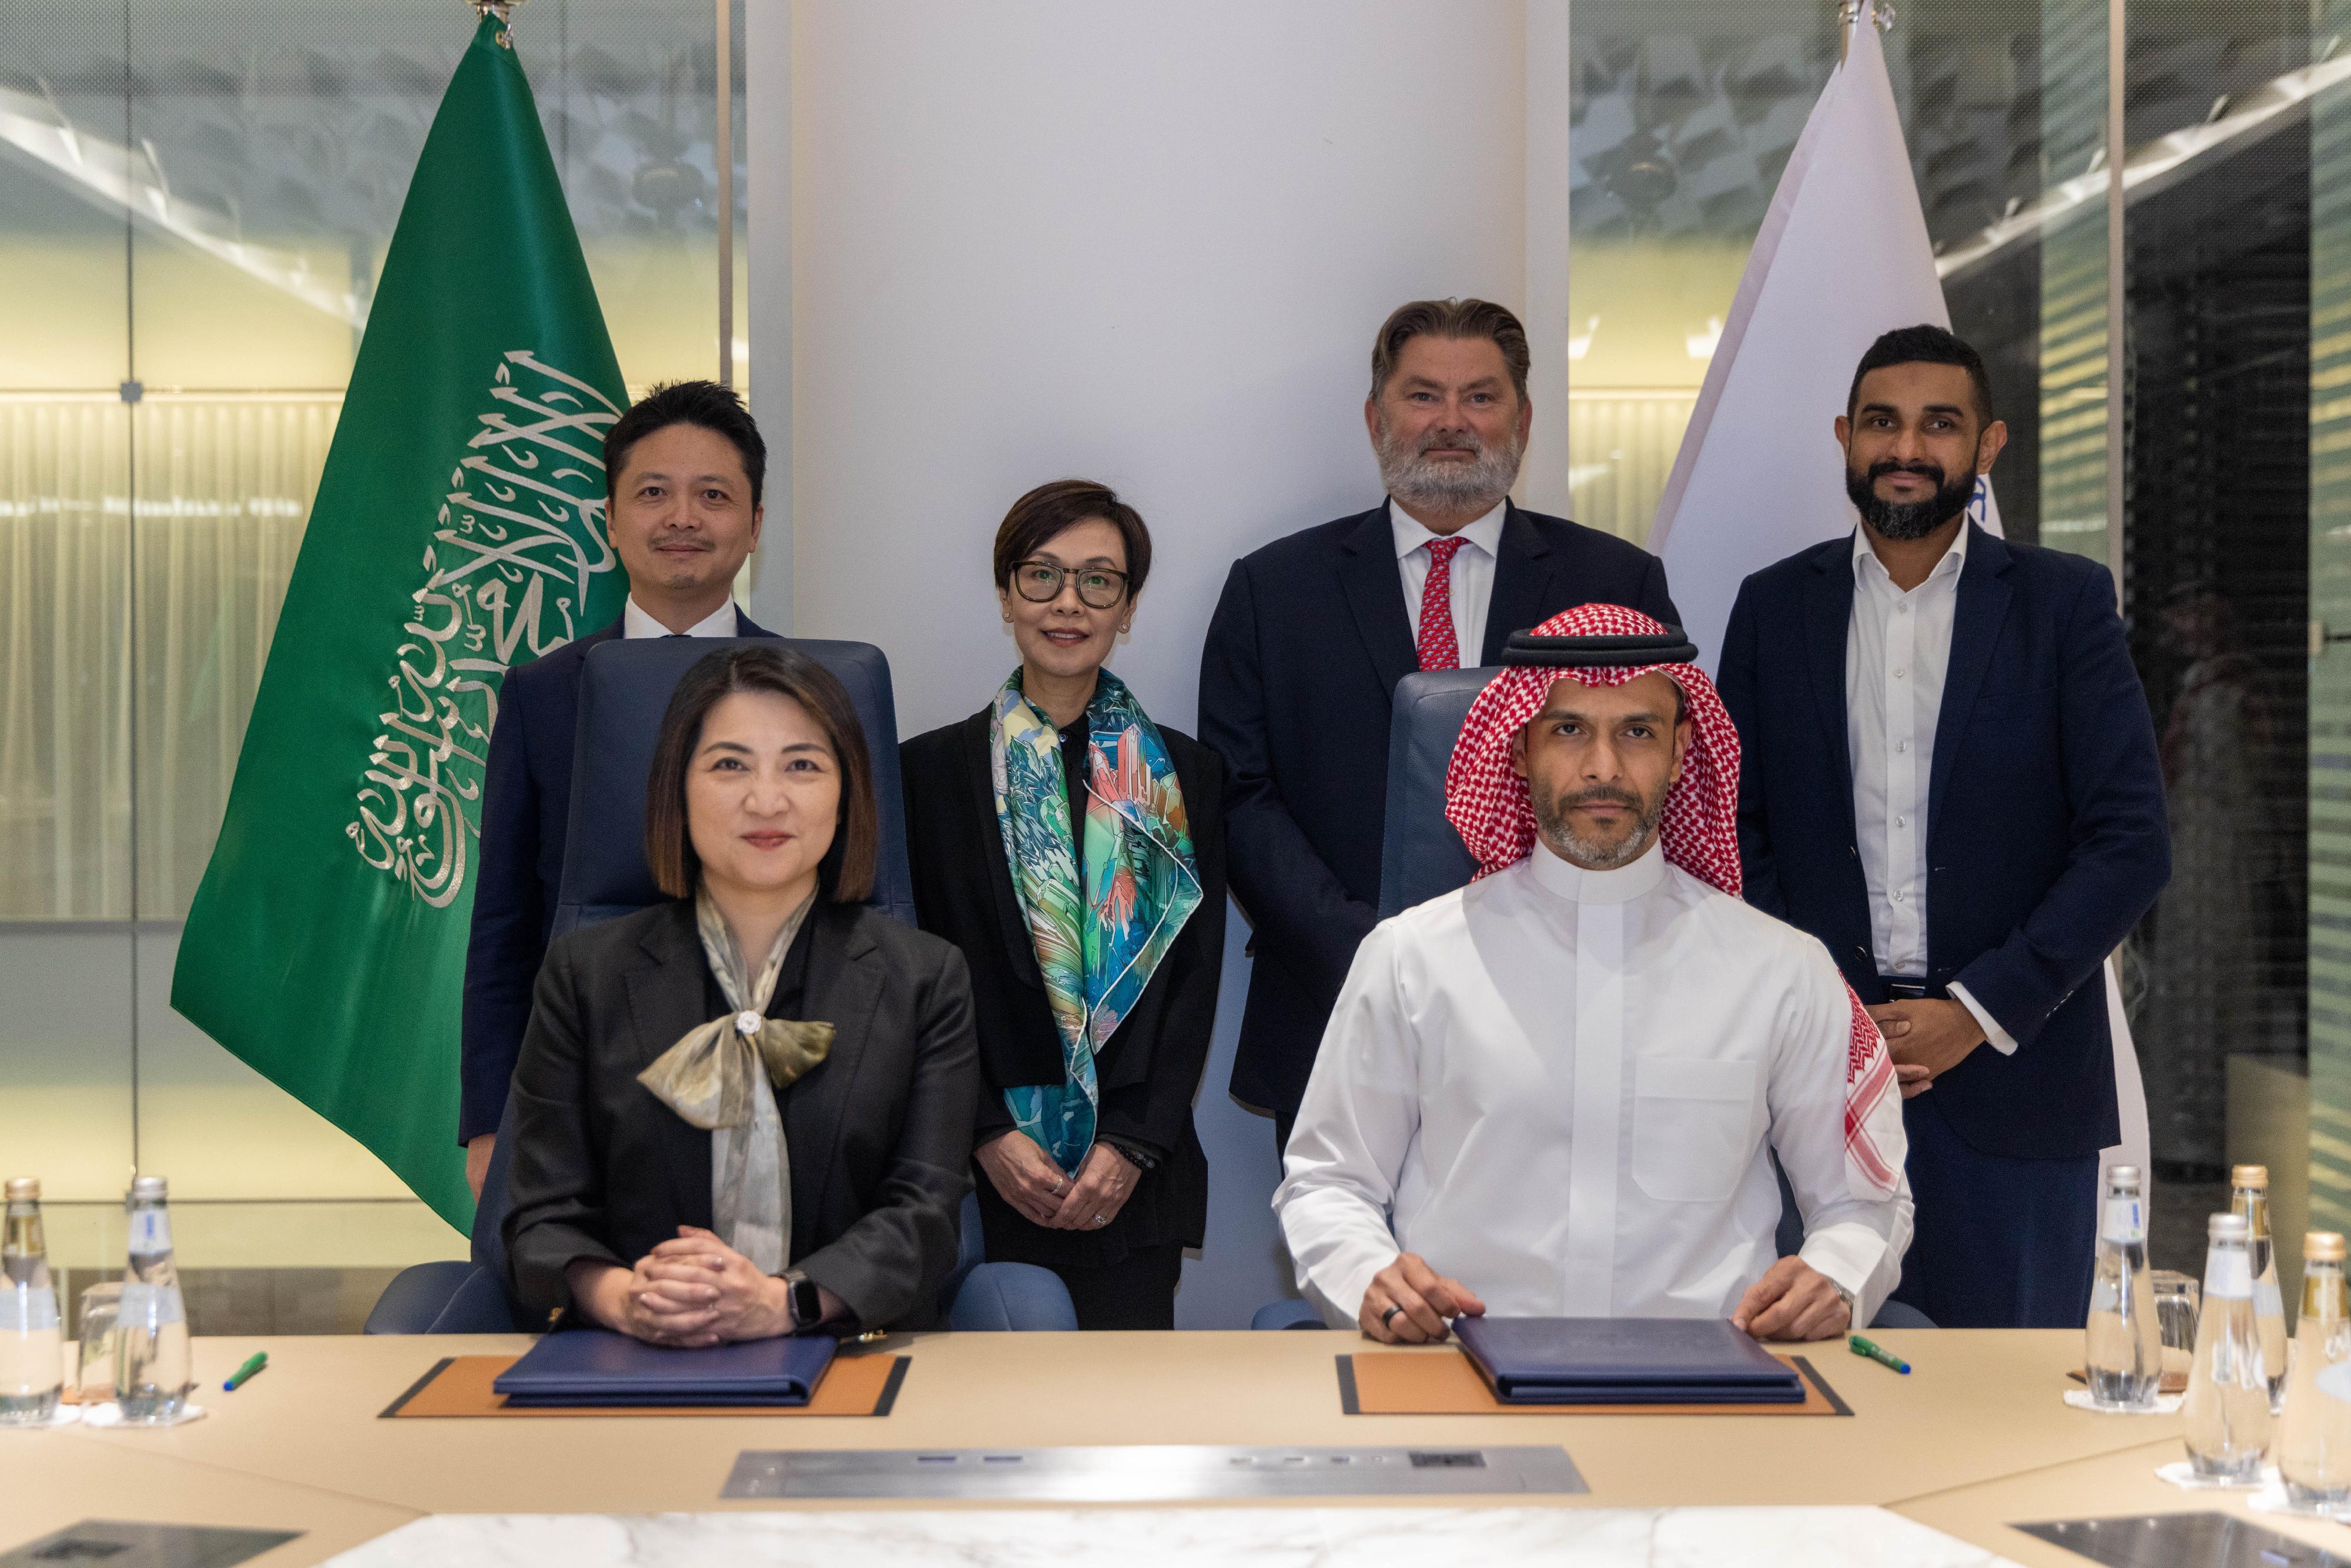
x: 1849, y: 13
x: 502, y: 9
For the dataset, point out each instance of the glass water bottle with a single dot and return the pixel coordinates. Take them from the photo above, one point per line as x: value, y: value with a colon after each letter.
x: 2315, y: 1437
x: 32, y: 1346
x: 151, y: 1366
x: 2228, y: 1412
x: 2250, y: 1197
x: 2125, y: 1353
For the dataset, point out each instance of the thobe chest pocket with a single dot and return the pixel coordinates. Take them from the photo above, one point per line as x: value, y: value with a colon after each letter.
x: 1693, y: 1127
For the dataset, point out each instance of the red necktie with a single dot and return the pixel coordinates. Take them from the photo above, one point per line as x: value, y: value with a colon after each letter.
x: 1440, y: 649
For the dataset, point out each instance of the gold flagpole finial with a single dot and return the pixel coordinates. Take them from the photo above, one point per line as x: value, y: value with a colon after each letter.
x: 502, y: 9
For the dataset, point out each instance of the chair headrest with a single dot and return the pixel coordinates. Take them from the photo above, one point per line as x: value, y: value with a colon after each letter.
x: 624, y: 688
x: 1420, y: 854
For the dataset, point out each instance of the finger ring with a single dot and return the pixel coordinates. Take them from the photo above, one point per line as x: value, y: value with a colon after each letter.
x: 1391, y: 1311
x: 1102, y: 1219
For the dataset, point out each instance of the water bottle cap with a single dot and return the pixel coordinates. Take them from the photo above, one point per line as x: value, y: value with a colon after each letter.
x: 2123, y: 1175
x: 2323, y: 1247
x: 2229, y: 1227
x: 149, y: 1186
x: 23, y: 1189
x: 2250, y: 1175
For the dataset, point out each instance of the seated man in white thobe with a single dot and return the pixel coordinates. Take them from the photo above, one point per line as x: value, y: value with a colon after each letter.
x: 1554, y: 1092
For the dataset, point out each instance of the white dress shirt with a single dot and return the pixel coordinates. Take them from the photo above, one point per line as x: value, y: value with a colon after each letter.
x: 636, y: 622
x: 1562, y: 1087
x: 1473, y: 573
x: 1898, y: 650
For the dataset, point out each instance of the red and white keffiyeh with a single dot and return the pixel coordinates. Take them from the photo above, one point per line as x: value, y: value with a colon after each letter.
x: 1486, y: 803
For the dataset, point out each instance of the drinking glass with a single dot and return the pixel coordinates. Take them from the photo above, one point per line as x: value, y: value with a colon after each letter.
x: 2175, y: 1310
x: 99, y: 1305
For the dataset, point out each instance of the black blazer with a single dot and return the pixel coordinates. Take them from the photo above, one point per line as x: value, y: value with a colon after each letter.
x: 1149, y: 1070
x: 880, y: 1131
x: 526, y: 817
x: 1297, y: 683
x: 2046, y: 839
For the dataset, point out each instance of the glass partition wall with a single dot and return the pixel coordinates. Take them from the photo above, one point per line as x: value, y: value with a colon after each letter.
x: 195, y: 198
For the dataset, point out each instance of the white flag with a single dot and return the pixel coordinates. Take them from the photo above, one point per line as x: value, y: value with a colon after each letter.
x: 1843, y: 255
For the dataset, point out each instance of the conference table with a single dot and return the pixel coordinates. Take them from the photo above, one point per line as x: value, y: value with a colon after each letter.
x: 1975, y: 1441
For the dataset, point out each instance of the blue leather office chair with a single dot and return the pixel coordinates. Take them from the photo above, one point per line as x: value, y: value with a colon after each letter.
x: 623, y: 690
x: 1421, y: 857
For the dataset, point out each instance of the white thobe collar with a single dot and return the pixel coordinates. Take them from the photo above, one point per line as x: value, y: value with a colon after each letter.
x: 1411, y: 533
x: 1557, y: 876
x: 636, y: 622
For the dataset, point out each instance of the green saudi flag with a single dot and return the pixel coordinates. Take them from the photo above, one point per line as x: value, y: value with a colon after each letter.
x: 459, y: 531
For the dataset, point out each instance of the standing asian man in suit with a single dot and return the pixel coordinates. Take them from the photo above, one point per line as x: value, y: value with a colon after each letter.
x: 683, y: 473
x: 1314, y: 630
x: 1950, y: 778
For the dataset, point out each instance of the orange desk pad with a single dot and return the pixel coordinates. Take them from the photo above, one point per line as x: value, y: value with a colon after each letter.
x: 460, y: 1385
x: 1406, y: 1382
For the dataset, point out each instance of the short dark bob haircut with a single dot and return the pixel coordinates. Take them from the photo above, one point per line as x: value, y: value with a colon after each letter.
x: 705, y: 404
x: 846, y: 873
x: 1925, y: 344
x: 1036, y: 518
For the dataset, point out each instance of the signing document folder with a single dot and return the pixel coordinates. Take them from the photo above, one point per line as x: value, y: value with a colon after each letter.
x: 1625, y: 1360
x: 597, y: 1367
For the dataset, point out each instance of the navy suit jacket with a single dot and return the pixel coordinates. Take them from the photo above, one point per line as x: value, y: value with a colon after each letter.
x: 1297, y: 681
x: 2046, y: 839
x: 525, y: 815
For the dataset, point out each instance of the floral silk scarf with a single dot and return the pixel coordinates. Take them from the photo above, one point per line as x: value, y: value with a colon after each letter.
x: 1098, y: 945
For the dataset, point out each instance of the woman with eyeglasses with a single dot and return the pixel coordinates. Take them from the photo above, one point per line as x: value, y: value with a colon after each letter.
x: 1075, y: 850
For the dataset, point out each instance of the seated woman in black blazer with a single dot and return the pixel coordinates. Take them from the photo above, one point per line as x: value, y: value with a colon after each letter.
x: 750, y: 1110
x: 1075, y: 851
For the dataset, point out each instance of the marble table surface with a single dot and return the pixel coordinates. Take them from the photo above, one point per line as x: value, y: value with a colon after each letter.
x: 1149, y: 1536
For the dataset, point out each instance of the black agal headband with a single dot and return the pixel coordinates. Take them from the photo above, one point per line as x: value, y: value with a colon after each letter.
x: 1631, y: 651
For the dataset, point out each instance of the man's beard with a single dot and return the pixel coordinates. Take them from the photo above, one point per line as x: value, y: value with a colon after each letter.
x: 1479, y: 484
x: 1907, y: 520
x: 1551, y: 822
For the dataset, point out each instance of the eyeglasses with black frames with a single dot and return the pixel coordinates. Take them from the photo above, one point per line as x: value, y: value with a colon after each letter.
x: 1039, y: 583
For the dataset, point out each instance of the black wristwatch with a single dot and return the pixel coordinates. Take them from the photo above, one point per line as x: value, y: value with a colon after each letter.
x: 1141, y: 1158
x: 804, y: 1303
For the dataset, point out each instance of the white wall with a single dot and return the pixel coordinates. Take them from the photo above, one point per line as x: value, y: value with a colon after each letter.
x: 1147, y: 244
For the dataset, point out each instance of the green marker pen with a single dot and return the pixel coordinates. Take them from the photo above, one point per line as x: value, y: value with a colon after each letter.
x: 246, y: 1373
x: 1878, y: 1353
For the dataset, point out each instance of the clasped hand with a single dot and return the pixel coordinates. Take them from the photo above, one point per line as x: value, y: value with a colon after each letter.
x: 1027, y: 1179
x: 1927, y: 1037
x: 691, y: 1293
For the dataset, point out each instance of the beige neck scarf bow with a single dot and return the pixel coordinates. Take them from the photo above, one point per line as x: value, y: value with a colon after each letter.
x: 723, y: 1076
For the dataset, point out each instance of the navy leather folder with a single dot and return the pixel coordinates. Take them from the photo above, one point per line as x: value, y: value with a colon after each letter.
x: 597, y: 1367
x: 1625, y: 1360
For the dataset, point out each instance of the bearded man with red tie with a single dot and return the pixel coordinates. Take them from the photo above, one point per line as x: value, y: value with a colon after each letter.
x: 1315, y: 630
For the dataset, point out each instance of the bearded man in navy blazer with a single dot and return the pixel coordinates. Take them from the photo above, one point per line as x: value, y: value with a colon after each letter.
x: 1314, y: 630
x: 683, y: 473
x: 1950, y: 778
